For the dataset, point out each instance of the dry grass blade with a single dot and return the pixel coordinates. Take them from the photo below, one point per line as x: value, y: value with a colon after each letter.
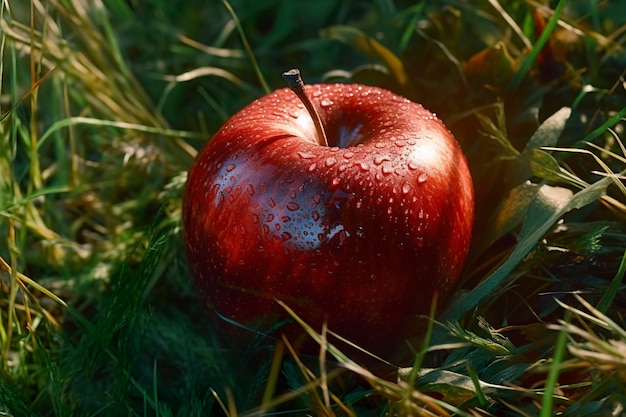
x: 604, y: 353
x: 96, y: 66
x: 407, y: 399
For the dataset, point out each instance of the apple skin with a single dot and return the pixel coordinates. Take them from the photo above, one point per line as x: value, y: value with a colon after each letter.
x: 361, y: 233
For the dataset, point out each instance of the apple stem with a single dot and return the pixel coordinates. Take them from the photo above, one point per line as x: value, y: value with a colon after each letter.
x: 295, y: 83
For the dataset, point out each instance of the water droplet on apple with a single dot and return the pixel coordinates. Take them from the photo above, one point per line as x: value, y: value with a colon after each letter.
x: 271, y: 202
x: 326, y: 102
x: 316, y: 215
x: 270, y: 218
x: 255, y: 219
x: 348, y: 155
x: 285, y: 235
x: 413, y: 164
x: 312, y: 167
x: 387, y: 169
x: 294, y: 114
x: 230, y: 167
x: 330, y: 161
x: 379, y: 159
x: 306, y: 155
x: 250, y: 189
x: 406, y: 187
x: 285, y: 219
x: 422, y: 177
x: 316, y: 199
x: 266, y: 229
x: 420, y: 242
x: 364, y: 166
x: 389, y: 210
x: 316, y: 93
x: 293, y: 206
x: 379, y: 145
x: 360, y: 232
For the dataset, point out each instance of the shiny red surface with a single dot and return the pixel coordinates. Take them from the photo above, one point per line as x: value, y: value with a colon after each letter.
x: 360, y: 233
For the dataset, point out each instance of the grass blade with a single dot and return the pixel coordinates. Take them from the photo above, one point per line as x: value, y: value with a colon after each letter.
x: 530, y: 59
x: 614, y: 286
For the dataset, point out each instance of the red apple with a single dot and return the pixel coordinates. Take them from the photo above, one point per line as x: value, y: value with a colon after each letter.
x: 360, y: 233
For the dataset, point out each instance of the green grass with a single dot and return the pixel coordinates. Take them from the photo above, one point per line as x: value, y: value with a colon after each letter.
x: 103, y: 107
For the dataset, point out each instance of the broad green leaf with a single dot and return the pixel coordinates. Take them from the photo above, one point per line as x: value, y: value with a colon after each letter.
x: 370, y: 47
x: 544, y: 165
x: 455, y: 388
x: 546, y: 208
x: 513, y: 208
x: 531, y: 160
x: 550, y: 130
